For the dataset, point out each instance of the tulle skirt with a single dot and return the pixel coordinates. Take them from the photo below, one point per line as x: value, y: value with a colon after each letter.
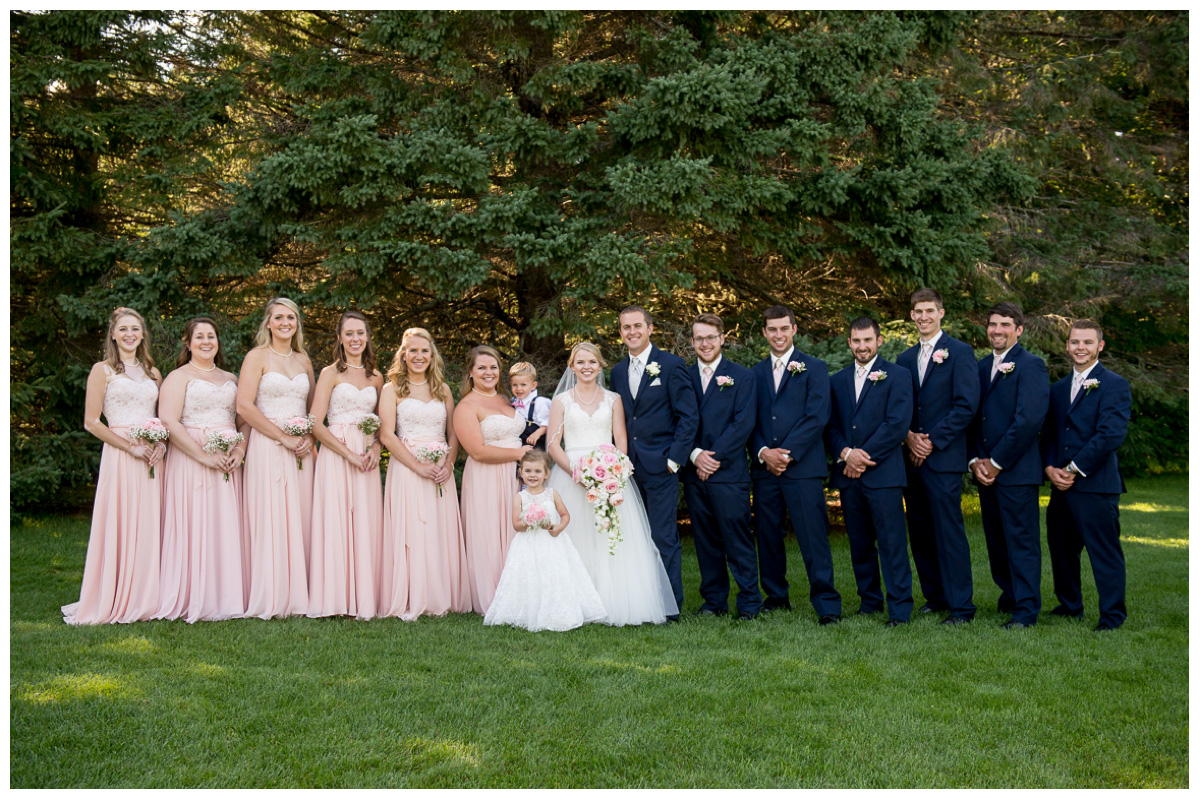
x: 632, y: 583
x: 120, y: 576
x: 347, y: 526
x: 424, y: 567
x: 202, y: 538
x: 544, y: 586
x: 278, y: 518
x: 487, y: 493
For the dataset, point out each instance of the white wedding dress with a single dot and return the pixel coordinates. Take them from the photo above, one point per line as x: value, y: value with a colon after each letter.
x: 631, y: 582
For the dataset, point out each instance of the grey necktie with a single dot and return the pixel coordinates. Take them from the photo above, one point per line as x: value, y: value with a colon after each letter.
x: 635, y: 376
x: 926, y: 347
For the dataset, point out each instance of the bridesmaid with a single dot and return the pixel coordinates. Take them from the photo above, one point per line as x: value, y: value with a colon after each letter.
x: 120, y: 577
x: 424, y: 553
x: 202, y: 521
x: 490, y: 431
x: 277, y: 384
x: 343, y: 572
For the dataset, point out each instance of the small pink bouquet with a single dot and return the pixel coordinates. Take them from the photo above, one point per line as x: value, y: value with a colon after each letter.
x: 433, y: 454
x: 223, y: 441
x: 298, y: 426
x: 368, y: 424
x: 536, y: 518
x: 152, y: 431
x: 604, y: 473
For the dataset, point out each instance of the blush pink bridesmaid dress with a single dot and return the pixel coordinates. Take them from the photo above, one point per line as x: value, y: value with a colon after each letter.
x: 202, y: 521
x: 278, y: 506
x: 424, y: 553
x: 120, y: 576
x: 347, y: 520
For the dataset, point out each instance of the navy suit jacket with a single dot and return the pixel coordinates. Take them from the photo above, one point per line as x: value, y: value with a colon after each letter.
x: 946, y: 403
x: 793, y: 418
x: 1088, y: 431
x: 661, y: 423
x: 877, y: 423
x: 726, y: 422
x: 1011, y: 411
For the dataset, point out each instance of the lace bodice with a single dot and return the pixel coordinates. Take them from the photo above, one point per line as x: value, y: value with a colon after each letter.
x: 348, y: 404
x: 207, y: 405
x: 280, y: 398
x: 500, y: 430
x: 584, y: 431
x: 545, y: 500
x: 419, y: 420
x: 129, y: 402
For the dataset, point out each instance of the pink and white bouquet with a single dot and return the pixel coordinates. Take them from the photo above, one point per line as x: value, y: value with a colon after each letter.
x: 298, y: 426
x: 536, y: 518
x: 368, y: 424
x: 432, y: 454
x: 223, y: 441
x: 152, y: 431
x: 604, y: 473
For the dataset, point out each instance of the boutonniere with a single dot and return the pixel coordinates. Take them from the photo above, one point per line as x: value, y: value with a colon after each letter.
x: 1089, y: 384
x: 796, y: 367
x: 877, y: 376
x: 940, y: 355
x: 723, y: 381
x: 1006, y: 367
x: 653, y: 369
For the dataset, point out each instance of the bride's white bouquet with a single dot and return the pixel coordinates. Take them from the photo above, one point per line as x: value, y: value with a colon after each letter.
x: 604, y: 473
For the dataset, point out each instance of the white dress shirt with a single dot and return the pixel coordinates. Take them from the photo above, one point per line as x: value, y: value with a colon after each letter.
x: 925, y: 356
x: 700, y: 365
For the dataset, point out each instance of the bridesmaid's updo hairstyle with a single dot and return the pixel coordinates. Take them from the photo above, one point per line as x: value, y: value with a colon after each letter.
x: 262, y: 337
x: 185, y: 350
x: 591, y: 348
x: 468, y: 383
x: 435, y: 373
x: 339, y: 351
x: 112, y: 355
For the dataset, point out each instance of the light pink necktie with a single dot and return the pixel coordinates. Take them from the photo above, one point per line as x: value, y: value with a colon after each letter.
x: 707, y: 375
x: 778, y: 372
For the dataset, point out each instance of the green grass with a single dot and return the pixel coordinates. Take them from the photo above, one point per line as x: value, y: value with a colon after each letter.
x: 778, y: 702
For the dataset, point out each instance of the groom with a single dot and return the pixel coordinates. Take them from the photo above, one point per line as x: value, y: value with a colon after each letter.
x: 661, y: 418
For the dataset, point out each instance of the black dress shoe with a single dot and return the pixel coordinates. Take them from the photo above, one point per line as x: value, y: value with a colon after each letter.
x: 928, y: 609
x: 708, y: 612
x: 1005, y: 608
x: 829, y: 619
x: 1012, y: 624
x: 955, y: 621
x: 1062, y: 611
x: 672, y: 618
x: 746, y: 616
x: 866, y: 612
x: 769, y: 606
x: 1105, y: 626
x: 895, y: 623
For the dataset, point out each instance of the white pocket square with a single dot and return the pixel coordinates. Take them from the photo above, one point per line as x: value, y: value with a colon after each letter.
x: 656, y: 382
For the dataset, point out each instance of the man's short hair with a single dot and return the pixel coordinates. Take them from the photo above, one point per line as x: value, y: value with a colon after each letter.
x: 1008, y: 310
x: 778, y: 312
x: 862, y: 323
x: 1088, y: 325
x: 710, y: 319
x: 636, y: 310
x: 523, y: 368
x: 926, y: 295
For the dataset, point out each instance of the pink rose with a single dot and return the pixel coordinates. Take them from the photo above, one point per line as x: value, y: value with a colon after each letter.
x: 608, y: 447
x: 611, y: 486
x: 877, y: 376
x: 593, y: 495
x: 617, y: 499
x: 940, y: 355
x: 600, y: 472
x: 610, y: 459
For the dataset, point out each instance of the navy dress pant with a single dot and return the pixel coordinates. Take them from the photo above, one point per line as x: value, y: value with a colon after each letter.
x: 803, y: 500
x: 660, y: 496
x: 938, y: 538
x: 724, y: 543
x: 1075, y: 520
x: 1014, y: 543
x: 876, y: 517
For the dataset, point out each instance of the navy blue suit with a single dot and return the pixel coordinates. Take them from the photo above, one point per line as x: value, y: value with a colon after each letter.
x: 873, y: 504
x: 720, y: 506
x: 793, y: 418
x: 943, y: 409
x: 1011, y: 410
x: 1088, y: 433
x: 661, y: 424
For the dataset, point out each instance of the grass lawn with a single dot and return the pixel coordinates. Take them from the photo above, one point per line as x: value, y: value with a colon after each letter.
x: 778, y: 702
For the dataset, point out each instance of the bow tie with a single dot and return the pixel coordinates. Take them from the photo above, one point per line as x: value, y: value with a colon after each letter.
x: 518, y: 403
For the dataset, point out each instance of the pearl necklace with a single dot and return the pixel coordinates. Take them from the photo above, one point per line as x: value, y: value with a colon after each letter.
x: 422, y: 383
x: 290, y: 352
x: 202, y: 369
x: 590, y: 400
x: 473, y: 389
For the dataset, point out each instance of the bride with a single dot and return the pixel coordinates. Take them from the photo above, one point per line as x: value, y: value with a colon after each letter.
x: 631, y: 581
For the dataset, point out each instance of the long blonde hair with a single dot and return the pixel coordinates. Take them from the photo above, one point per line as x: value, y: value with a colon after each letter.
x: 435, y: 373
x: 478, y: 350
x: 112, y: 354
x: 262, y: 337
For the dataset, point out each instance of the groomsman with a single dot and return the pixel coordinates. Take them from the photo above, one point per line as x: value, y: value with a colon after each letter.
x: 1088, y: 420
x: 872, y: 408
x: 1003, y: 447
x: 946, y: 392
x: 660, y: 420
x: 787, y: 458
x: 717, y: 482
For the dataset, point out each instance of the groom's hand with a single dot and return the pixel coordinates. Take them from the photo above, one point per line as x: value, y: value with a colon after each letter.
x: 706, y: 465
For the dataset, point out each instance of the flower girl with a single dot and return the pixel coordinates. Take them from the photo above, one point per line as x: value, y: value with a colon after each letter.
x: 544, y: 585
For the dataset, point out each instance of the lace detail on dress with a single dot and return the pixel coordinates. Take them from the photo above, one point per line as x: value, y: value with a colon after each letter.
x: 207, y: 405
x: 349, y: 406
x: 545, y: 500
x: 280, y: 398
x: 129, y: 402
x: 419, y: 420
x: 584, y: 431
x: 501, y: 430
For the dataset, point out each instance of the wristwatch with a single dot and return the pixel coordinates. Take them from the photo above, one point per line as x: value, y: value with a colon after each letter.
x: 1071, y: 468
